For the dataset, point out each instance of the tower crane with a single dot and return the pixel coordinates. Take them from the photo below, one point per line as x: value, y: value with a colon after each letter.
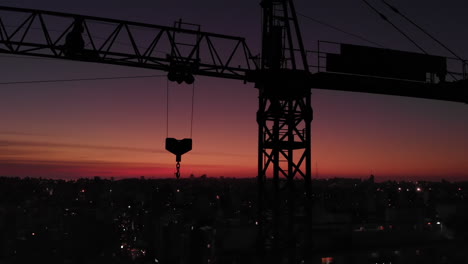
x: 281, y: 74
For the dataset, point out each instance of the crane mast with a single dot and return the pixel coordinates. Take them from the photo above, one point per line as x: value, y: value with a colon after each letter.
x: 282, y: 78
x: 284, y: 120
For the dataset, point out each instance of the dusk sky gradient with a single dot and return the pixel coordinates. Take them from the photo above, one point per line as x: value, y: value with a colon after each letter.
x: 118, y: 127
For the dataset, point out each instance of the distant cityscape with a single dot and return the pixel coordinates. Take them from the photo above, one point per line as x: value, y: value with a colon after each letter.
x: 215, y: 220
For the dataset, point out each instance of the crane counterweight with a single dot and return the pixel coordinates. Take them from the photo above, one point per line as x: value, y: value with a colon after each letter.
x: 281, y: 74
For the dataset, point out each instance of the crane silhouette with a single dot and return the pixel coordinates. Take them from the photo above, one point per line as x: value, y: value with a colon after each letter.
x: 281, y: 74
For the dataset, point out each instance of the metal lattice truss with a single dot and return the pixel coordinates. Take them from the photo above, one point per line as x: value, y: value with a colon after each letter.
x: 92, y: 39
x: 285, y: 141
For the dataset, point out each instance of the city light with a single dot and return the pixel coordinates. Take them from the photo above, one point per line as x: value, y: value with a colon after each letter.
x: 178, y: 225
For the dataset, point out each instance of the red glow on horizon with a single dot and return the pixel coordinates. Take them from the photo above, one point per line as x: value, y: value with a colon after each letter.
x: 124, y: 137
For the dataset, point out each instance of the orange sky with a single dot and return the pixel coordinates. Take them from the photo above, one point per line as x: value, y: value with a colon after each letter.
x: 118, y: 127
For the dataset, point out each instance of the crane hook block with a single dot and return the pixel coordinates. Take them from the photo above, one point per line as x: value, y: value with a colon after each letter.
x: 178, y: 147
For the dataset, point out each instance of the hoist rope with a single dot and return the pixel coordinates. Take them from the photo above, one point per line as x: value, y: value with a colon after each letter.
x: 191, y: 113
x: 394, y: 9
x: 339, y: 29
x: 394, y: 26
x: 80, y: 79
x: 193, y: 103
x: 167, y: 108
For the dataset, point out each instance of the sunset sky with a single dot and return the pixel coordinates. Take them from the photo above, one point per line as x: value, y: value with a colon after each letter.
x: 118, y: 127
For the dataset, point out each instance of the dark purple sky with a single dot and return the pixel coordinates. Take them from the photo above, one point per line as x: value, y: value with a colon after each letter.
x: 353, y: 134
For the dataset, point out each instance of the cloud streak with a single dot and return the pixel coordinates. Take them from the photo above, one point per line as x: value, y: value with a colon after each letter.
x: 17, y: 133
x: 42, y: 144
x: 19, y: 143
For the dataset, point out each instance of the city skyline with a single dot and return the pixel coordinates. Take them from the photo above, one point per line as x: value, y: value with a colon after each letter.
x: 117, y: 127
